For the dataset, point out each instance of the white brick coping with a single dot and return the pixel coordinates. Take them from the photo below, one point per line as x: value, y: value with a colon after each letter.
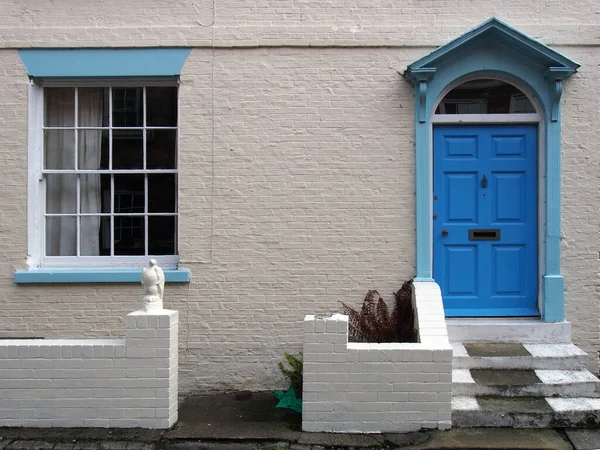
x: 389, y: 387
x: 129, y: 382
x: 429, y: 314
x: 20, y: 349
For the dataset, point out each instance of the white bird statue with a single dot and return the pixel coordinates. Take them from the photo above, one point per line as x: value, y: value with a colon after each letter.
x: 153, y: 280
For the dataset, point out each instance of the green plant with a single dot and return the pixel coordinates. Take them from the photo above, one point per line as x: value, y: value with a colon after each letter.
x: 293, y: 370
x: 375, y: 323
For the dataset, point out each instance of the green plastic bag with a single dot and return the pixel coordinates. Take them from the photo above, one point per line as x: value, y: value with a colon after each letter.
x: 288, y: 399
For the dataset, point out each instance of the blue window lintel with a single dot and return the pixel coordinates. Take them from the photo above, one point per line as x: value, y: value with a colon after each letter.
x: 99, y: 275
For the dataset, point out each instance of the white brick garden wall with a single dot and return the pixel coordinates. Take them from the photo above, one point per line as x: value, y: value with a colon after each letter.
x: 296, y: 156
x: 362, y: 387
x: 126, y: 383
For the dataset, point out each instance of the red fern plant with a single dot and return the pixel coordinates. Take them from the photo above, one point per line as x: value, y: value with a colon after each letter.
x: 405, y: 314
x: 375, y: 323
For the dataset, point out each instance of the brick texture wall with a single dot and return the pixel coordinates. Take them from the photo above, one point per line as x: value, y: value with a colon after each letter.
x: 297, y: 166
x: 388, y: 387
x: 126, y: 383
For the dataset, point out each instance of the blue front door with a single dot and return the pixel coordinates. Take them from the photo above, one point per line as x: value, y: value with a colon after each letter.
x: 485, y: 252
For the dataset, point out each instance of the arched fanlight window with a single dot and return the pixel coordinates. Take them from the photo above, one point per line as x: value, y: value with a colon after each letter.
x: 485, y: 96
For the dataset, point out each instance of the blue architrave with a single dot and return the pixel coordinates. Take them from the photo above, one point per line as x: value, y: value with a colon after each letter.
x: 494, y: 49
x: 119, y: 275
x: 103, y: 62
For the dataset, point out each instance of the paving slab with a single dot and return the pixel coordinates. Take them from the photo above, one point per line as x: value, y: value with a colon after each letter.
x: 514, y: 404
x: 232, y: 431
x: 341, y: 439
x: 234, y: 417
x: 406, y: 439
x: 29, y: 445
x: 494, y: 350
x: 494, y: 439
x: 123, y: 445
x: 505, y: 377
x: 190, y: 445
x: 584, y: 439
x: 75, y: 435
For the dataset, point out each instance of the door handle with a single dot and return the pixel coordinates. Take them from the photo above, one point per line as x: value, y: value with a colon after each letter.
x: 444, y: 232
x: 484, y: 182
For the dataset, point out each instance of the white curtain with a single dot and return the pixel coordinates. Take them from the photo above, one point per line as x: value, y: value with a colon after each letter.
x: 89, y: 151
x: 61, y: 190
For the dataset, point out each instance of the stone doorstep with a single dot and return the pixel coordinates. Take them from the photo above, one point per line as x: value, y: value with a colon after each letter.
x: 584, y: 439
x: 525, y: 412
x: 531, y: 331
x: 525, y: 383
x: 518, y: 356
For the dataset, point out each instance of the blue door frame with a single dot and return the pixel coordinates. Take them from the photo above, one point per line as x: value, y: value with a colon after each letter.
x: 485, y: 240
x: 496, y: 50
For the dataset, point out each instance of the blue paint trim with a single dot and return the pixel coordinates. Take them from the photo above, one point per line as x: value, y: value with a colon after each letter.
x: 94, y: 276
x: 495, y: 49
x: 553, y: 288
x: 498, y: 31
x: 105, y: 62
x: 423, y: 176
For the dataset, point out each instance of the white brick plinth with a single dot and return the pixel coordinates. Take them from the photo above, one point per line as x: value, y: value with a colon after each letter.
x: 395, y: 387
x: 126, y: 383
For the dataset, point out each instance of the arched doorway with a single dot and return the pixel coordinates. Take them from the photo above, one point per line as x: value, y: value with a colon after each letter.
x: 494, y: 51
x: 485, y: 200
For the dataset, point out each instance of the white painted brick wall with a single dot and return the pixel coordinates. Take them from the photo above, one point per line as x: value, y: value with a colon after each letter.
x: 126, y: 383
x: 249, y: 23
x: 394, y: 387
x: 310, y: 185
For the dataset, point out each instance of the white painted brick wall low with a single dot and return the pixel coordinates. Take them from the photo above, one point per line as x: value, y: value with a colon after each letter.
x: 94, y: 382
x: 395, y: 387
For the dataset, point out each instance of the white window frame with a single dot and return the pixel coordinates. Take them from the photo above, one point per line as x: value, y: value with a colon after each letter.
x: 36, y: 199
x: 514, y: 99
x: 480, y: 103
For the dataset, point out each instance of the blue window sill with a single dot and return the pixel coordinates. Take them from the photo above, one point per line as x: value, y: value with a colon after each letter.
x: 94, y: 276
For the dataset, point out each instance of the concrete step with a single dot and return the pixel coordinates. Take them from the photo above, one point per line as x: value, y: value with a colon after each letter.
x: 527, y: 331
x: 525, y: 412
x: 524, y: 383
x: 518, y: 356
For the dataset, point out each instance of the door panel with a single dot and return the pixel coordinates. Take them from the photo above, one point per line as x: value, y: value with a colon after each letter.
x: 461, y: 270
x: 485, y: 178
x: 463, y: 186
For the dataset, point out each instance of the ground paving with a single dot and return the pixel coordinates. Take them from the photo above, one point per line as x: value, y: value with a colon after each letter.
x: 250, y: 422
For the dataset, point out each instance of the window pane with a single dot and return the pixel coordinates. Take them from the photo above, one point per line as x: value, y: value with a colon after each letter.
x: 105, y: 236
x: 89, y: 229
x: 61, y: 194
x: 59, y: 149
x: 90, y: 106
x: 89, y: 149
x: 90, y: 193
x: 128, y: 149
x: 162, y: 235
x: 485, y: 96
x: 127, y: 107
x: 61, y: 236
x: 161, y: 149
x: 129, y: 194
x: 60, y: 107
x: 129, y: 235
x: 162, y: 193
x: 161, y: 106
